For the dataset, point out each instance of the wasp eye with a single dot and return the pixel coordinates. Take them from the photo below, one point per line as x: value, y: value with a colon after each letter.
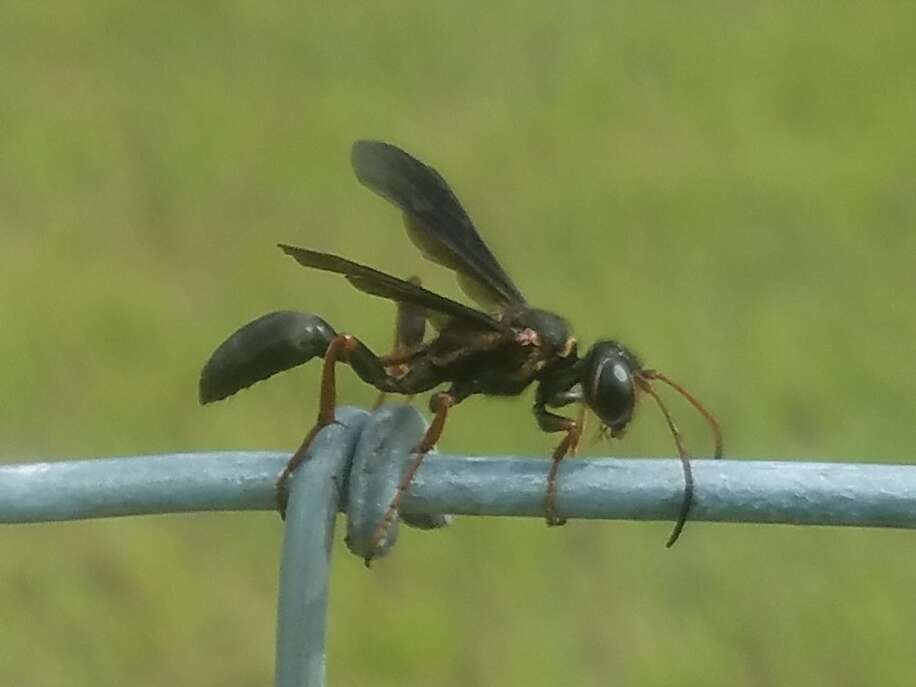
x: 607, y: 382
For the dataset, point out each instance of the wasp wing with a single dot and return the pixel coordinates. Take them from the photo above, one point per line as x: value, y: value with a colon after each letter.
x: 377, y: 283
x: 436, y: 222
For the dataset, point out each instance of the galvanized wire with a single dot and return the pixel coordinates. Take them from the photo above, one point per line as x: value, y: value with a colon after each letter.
x: 355, y: 466
x: 749, y: 491
x: 315, y: 493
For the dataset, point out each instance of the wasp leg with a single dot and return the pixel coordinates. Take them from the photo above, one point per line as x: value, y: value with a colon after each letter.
x: 551, y: 422
x: 339, y: 349
x: 439, y: 404
x: 371, y: 369
x: 409, y: 331
x: 421, y: 375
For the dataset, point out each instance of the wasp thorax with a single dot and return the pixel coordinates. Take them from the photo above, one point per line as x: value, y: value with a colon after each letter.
x: 608, y: 383
x: 550, y: 331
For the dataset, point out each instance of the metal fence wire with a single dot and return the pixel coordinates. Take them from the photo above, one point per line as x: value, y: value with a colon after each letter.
x: 354, y: 467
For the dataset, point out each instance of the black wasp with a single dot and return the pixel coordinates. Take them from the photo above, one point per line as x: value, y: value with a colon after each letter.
x: 497, y: 351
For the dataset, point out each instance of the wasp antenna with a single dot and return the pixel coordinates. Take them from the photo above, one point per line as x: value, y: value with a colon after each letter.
x: 685, y: 463
x: 710, y: 420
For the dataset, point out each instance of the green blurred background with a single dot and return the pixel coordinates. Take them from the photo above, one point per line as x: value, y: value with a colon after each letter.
x: 730, y: 188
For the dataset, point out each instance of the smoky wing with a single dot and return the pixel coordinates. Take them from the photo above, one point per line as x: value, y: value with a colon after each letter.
x: 436, y: 221
x: 377, y: 283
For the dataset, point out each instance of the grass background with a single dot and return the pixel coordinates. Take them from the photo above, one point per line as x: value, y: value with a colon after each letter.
x: 730, y: 188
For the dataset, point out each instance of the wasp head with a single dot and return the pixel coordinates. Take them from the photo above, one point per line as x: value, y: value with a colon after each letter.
x: 609, y: 384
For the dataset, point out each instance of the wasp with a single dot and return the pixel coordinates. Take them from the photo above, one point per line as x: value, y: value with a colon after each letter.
x: 498, y: 349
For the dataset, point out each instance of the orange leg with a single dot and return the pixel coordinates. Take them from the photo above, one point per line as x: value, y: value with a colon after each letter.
x: 338, y: 350
x: 567, y: 447
x: 439, y: 404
